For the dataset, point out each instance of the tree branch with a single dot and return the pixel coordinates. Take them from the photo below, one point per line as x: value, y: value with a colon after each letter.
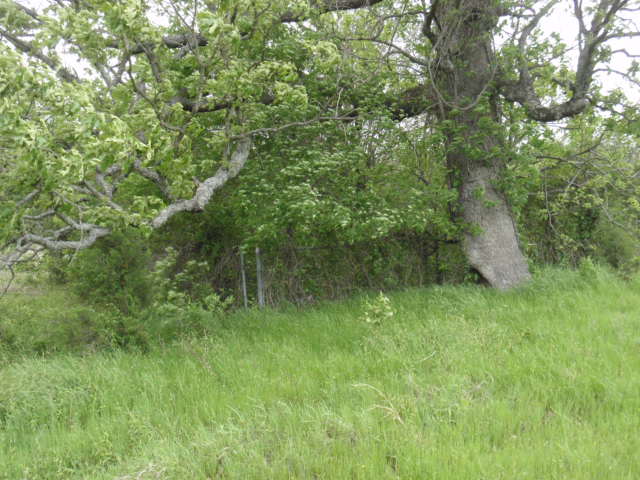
x: 325, y: 6
x: 206, y: 189
x: 51, y: 243
x: 590, y: 39
x: 197, y: 40
x: 28, y: 197
x: 32, y: 13
x: 155, y: 177
x: 29, y: 49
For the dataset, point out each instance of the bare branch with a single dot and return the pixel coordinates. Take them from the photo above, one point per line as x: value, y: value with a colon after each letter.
x: 8, y: 284
x: 303, y: 123
x: 108, y: 188
x: 32, y: 13
x: 625, y: 52
x: 29, y: 197
x: 590, y: 39
x: 105, y: 197
x: 155, y: 177
x: 40, y: 216
x: 35, y: 243
x: 325, y: 6
x: 206, y: 189
x: 395, y: 48
x: 92, y: 235
x: 622, y: 74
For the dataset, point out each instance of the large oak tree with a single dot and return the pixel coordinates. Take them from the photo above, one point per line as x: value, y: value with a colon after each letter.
x: 163, y: 102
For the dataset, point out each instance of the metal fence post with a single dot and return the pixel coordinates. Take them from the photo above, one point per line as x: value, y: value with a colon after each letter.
x: 244, y: 280
x: 259, y: 278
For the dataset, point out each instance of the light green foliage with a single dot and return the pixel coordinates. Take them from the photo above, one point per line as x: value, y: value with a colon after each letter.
x: 539, y: 383
x: 329, y: 192
x: 617, y: 247
x: 310, y: 182
x: 326, y: 185
x: 163, y: 300
x: 66, y: 130
x: 184, y: 303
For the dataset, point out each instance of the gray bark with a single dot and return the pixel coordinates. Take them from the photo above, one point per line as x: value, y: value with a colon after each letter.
x: 206, y: 189
x: 465, y: 81
x: 493, y: 250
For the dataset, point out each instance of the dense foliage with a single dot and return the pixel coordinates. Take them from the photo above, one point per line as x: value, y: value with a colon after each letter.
x: 358, y: 144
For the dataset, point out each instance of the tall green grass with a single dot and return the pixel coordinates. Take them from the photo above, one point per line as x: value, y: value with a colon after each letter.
x: 459, y: 383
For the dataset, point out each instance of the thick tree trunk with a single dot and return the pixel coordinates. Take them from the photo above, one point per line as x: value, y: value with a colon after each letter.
x: 493, y: 249
x: 471, y: 121
x: 490, y: 240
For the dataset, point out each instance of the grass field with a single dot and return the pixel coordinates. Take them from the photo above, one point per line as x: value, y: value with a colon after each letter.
x: 458, y: 383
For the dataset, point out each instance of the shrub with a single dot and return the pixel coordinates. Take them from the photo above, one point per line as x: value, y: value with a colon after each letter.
x: 115, y: 272
x: 183, y: 301
x: 618, y: 248
x: 56, y: 322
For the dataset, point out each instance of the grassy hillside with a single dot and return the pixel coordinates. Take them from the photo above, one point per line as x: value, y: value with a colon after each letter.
x: 446, y: 383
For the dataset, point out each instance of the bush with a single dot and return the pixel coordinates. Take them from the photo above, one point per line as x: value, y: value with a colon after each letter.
x: 183, y: 302
x: 618, y: 248
x: 55, y: 321
x: 114, y: 272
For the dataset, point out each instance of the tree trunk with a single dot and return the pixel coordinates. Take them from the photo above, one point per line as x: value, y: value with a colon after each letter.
x: 493, y: 250
x: 475, y: 150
